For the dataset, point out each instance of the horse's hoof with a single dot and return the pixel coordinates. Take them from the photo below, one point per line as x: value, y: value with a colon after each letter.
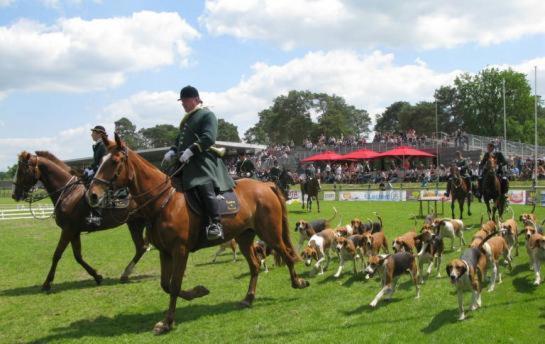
x: 245, y: 304
x: 124, y: 279
x: 46, y: 287
x: 98, y: 279
x: 161, y: 328
x: 301, y: 284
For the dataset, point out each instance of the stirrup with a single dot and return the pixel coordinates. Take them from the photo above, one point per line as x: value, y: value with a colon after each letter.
x: 214, y: 231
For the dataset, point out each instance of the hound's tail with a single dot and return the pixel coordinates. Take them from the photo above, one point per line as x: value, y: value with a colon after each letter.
x: 334, y: 214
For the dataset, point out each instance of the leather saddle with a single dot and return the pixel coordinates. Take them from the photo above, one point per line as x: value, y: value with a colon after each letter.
x: 228, y: 203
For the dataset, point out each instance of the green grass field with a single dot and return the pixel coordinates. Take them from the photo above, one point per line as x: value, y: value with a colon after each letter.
x: 329, y: 311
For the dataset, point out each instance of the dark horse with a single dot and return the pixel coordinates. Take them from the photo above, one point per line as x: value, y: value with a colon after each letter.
x: 176, y: 230
x: 310, y: 187
x: 459, y: 192
x: 71, y: 209
x: 283, y: 182
x: 492, y: 189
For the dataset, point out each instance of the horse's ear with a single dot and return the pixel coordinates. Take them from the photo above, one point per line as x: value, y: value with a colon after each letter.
x: 118, y: 141
x: 105, y: 140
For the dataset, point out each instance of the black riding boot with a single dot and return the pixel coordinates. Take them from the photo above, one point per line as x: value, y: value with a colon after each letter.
x: 214, y: 230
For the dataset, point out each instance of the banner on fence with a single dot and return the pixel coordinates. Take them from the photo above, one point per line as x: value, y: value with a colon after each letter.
x: 542, y: 198
x: 516, y: 196
x: 391, y: 195
x: 294, y: 194
x: 433, y: 195
x: 413, y: 195
x: 329, y: 195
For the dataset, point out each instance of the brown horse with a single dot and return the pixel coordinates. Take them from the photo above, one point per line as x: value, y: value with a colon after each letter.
x: 311, y: 188
x: 459, y: 192
x: 492, y: 189
x: 176, y: 230
x: 71, y: 209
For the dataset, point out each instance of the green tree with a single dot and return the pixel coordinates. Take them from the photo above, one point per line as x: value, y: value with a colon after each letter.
x: 9, y: 173
x: 289, y: 118
x: 162, y: 135
x: 389, y: 119
x: 420, y: 117
x: 227, y: 131
x: 256, y: 134
x: 338, y: 118
x: 127, y: 130
x: 480, y: 100
x: 449, y: 115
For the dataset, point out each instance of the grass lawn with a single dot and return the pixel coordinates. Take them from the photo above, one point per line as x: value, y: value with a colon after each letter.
x: 329, y: 311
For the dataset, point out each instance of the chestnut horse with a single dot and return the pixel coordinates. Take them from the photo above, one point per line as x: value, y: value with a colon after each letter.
x: 71, y: 209
x: 176, y: 230
x: 459, y: 192
x: 492, y: 189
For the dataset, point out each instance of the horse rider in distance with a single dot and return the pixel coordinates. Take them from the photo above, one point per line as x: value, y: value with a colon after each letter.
x: 244, y: 167
x: 461, y: 163
x: 274, y: 172
x: 501, y: 165
x: 203, y: 170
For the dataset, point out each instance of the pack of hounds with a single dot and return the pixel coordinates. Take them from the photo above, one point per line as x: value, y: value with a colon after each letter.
x: 365, y: 244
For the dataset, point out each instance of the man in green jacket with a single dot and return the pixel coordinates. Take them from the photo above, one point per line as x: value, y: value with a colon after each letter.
x: 203, y: 170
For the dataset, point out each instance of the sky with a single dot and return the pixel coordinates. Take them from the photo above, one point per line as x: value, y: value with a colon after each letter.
x: 68, y: 65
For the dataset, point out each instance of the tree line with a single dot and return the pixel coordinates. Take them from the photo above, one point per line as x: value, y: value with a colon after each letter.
x: 474, y: 103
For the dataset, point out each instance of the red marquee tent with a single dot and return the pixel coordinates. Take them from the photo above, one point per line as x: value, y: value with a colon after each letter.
x: 325, y: 156
x: 405, y: 151
x: 361, y: 154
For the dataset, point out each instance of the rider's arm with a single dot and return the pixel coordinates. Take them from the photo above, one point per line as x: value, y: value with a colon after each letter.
x: 207, y: 133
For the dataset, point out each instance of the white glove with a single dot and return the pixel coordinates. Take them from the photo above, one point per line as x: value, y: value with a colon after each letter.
x: 169, y: 155
x: 88, y: 172
x: 186, y: 155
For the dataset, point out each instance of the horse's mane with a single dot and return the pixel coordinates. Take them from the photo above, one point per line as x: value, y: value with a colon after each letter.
x: 54, y: 159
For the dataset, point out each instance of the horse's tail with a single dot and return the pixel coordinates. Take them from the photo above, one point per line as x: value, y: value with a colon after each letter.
x: 334, y: 214
x: 290, y: 251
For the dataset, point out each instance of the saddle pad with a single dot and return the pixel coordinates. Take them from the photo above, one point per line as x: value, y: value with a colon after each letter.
x: 228, y: 203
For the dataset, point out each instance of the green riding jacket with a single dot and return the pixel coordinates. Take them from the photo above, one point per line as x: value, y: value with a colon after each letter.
x: 198, y: 131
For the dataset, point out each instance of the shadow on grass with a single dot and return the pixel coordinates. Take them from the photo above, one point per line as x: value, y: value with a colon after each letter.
x: 219, y: 262
x: 523, y: 285
x: 382, y: 303
x: 298, y: 212
x: 123, y: 324
x: 72, y: 285
x: 519, y: 268
x: 447, y: 316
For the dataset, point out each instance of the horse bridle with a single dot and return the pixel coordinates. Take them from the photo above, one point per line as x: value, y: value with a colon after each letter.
x: 110, y: 184
x: 36, y: 177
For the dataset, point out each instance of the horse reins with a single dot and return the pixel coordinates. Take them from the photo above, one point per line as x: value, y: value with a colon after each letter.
x: 62, y: 189
x: 109, y: 183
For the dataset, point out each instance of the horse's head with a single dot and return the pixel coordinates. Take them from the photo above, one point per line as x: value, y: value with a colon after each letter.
x: 26, y: 176
x: 114, y: 172
x: 490, y: 164
x: 454, y: 170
